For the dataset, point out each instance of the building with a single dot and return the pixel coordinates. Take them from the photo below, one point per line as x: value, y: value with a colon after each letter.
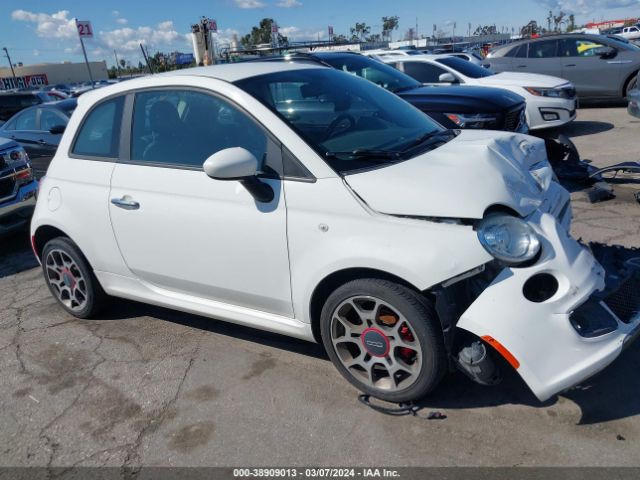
x: 51, y: 73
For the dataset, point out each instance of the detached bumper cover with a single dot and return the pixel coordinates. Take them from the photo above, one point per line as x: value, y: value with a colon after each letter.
x: 16, y: 212
x: 552, y: 355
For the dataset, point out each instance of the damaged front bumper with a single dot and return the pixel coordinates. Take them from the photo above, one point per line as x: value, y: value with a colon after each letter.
x: 536, y: 314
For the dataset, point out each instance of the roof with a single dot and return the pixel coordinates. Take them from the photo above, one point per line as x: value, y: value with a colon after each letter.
x: 230, y: 72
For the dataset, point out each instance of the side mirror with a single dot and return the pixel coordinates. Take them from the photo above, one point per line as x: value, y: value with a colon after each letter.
x: 607, y: 52
x: 447, y: 78
x: 57, y: 129
x: 231, y: 164
x: 240, y: 164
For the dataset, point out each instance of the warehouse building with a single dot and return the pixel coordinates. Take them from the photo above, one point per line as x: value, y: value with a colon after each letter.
x: 51, y: 73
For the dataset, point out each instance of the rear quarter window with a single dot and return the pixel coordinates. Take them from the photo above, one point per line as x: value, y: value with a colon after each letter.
x: 99, y: 133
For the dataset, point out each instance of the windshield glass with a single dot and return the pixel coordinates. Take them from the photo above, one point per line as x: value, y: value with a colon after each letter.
x: 465, y: 67
x: 373, y: 70
x: 350, y: 122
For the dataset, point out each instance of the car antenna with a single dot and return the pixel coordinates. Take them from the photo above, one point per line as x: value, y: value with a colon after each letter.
x: 146, y: 59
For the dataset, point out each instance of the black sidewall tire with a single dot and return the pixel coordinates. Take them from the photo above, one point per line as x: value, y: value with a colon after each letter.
x: 424, y: 323
x: 96, y: 296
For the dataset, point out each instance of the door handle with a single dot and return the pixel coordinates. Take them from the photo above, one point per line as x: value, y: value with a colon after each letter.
x: 42, y: 142
x: 126, y: 203
x: 571, y: 65
x: 521, y: 66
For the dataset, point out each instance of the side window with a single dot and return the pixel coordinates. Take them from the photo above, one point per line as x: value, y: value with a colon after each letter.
x: 50, y: 118
x: 544, y: 49
x: 26, y: 120
x: 185, y: 127
x: 99, y: 134
x: 579, y: 47
x: 522, y: 51
x: 424, y: 72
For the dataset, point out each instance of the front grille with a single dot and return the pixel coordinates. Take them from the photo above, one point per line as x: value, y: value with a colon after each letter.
x: 513, y: 120
x: 7, y: 185
x: 625, y: 300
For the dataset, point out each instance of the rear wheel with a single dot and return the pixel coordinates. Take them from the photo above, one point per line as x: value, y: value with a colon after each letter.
x: 384, y: 338
x: 71, y: 279
x: 631, y: 85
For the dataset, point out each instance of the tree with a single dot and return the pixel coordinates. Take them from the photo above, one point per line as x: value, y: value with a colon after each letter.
x: 360, y: 30
x: 549, y: 20
x: 530, y: 29
x: 485, y: 30
x: 572, y: 23
x: 376, y: 37
x: 557, y: 20
x: 389, y: 24
x: 262, y: 34
x: 340, y: 39
x: 122, y: 62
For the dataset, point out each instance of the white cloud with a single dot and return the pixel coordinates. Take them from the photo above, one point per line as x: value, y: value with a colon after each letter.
x: 57, y: 25
x: 288, y: 4
x: 585, y: 7
x: 129, y: 39
x: 122, y: 21
x: 298, y: 34
x: 250, y: 3
x: 115, y: 13
x: 36, y: 52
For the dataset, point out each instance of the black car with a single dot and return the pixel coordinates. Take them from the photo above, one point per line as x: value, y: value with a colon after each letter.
x: 14, y: 101
x: 469, y: 107
x: 38, y: 130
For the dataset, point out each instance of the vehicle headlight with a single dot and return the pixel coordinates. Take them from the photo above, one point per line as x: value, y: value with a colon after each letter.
x: 508, y: 238
x: 470, y: 120
x: 14, y: 156
x: 545, y: 92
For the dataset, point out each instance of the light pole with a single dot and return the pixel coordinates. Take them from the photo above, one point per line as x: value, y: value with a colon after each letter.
x: 13, y: 74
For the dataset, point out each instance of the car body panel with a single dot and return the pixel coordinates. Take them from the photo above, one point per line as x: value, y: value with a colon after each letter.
x: 594, y: 77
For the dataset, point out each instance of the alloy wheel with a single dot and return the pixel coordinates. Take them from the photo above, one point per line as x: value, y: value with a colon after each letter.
x: 376, y: 343
x: 66, y: 280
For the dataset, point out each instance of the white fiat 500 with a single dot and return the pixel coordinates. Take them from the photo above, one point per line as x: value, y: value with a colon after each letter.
x: 551, y: 101
x: 306, y: 201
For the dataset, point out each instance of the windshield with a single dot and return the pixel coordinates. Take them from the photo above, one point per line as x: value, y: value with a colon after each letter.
x: 373, y: 70
x: 351, y: 122
x: 465, y: 67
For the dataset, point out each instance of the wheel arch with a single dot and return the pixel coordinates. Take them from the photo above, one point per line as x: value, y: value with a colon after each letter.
x: 42, y: 235
x: 338, y: 278
x: 628, y: 81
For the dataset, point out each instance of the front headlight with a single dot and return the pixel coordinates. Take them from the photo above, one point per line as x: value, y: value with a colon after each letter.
x: 470, y: 120
x: 14, y: 156
x: 545, y: 92
x: 508, y: 238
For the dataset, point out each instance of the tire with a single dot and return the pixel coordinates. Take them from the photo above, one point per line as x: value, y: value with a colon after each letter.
x: 362, y: 325
x: 631, y: 85
x: 70, y: 278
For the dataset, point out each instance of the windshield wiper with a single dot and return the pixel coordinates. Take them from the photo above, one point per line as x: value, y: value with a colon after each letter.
x: 372, y: 155
x: 428, y: 136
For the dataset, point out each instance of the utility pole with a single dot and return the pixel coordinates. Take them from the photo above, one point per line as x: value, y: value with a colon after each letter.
x: 117, y: 63
x: 13, y: 73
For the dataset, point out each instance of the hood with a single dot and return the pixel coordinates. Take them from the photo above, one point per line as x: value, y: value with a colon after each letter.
x: 460, y: 100
x: 515, y: 79
x: 7, y: 143
x: 461, y: 179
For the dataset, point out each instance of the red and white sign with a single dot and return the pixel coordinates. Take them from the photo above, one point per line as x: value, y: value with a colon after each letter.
x: 213, y: 25
x: 28, y: 81
x: 84, y: 28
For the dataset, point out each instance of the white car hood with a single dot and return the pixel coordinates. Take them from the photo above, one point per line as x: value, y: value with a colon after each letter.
x: 460, y: 179
x: 514, y: 79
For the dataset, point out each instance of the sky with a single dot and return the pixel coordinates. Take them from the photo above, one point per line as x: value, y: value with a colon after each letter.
x: 37, y: 31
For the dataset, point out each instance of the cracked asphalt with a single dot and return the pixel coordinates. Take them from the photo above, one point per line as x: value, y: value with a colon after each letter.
x: 148, y: 386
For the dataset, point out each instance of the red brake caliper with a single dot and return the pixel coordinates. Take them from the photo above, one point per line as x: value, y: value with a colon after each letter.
x: 406, y: 353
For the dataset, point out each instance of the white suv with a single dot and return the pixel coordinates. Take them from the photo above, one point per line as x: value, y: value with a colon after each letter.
x: 306, y: 201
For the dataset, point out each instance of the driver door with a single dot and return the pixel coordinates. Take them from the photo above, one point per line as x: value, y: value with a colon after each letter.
x: 185, y: 233
x: 592, y: 76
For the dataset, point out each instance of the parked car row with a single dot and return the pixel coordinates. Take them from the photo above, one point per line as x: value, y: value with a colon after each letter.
x: 309, y: 201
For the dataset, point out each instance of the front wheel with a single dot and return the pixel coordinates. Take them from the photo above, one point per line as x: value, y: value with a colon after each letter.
x: 384, y: 338
x: 632, y: 85
x: 70, y: 278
